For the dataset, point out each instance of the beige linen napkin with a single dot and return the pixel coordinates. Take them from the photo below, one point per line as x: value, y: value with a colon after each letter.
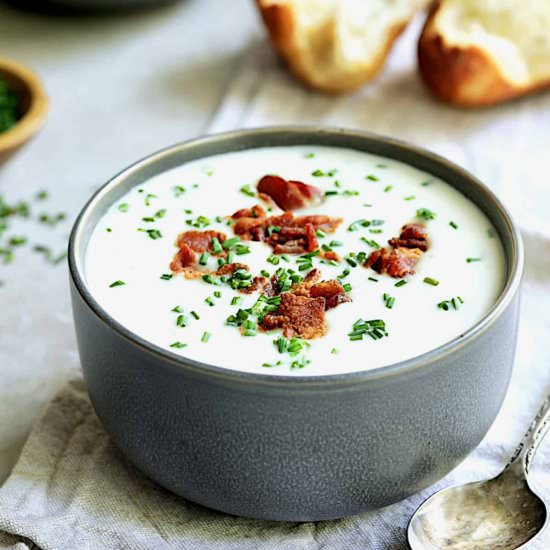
x: 72, y: 490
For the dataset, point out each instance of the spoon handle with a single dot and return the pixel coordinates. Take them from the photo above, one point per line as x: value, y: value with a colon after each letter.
x: 538, y: 428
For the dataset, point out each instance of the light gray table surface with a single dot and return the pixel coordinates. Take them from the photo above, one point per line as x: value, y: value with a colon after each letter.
x: 120, y: 87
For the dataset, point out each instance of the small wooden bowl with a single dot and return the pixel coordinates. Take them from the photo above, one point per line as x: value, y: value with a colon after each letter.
x: 33, y: 106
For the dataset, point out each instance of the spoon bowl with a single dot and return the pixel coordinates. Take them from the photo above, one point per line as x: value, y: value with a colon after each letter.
x: 502, y: 513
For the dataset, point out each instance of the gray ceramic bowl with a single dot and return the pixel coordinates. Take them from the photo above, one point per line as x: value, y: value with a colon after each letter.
x: 295, y: 448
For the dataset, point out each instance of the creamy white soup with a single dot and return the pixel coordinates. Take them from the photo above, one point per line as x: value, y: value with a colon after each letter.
x: 383, y: 303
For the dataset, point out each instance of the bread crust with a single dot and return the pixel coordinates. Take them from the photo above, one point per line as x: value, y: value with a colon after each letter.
x: 463, y: 76
x: 281, y: 24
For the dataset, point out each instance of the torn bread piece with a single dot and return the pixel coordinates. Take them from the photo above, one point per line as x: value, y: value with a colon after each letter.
x: 336, y: 45
x: 474, y: 53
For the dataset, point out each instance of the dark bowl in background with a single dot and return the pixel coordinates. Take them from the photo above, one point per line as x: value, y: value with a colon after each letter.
x: 86, y: 6
x: 295, y: 448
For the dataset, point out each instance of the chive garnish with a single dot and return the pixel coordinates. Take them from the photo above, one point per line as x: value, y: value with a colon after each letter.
x: 228, y: 244
x: 453, y: 225
x: 389, y: 301
x: 123, y: 207
x: 195, y: 315
x: 470, y: 260
x: 430, y: 281
x: 209, y: 301
x: 247, y: 190
x: 370, y: 242
x: 373, y: 279
x: 241, y: 249
x: 207, y: 278
x: 375, y: 328
x: 402, y: 282
x: 178, y: 345
x: 372, y: 177
x: 454, y: 303
x: 347, y: 287
x: 203, y: 259
x: 177, y: 309
x: 205, y: 337
x: 216, y: 246
x: 425, y: 214
x: 178, y: 191
x: 153, y: 233
x: 410, y: 198
x: 148, y: 198
x: 309, y: 155
x: 117, y: 283
x: 166, y: 276
x: 334, y: 351
x: 181, y: 321
x: 388, y: 188
x: 236, y: 300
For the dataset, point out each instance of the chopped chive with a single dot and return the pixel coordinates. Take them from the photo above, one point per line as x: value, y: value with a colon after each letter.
x: 228, y: 244
x: 470, y: 260
x: 370, y: 242
x: 347, y: 287
x: 388, y: 188
x: 177, y: 309
x: 317, y: 173
x: 247, y: 190
x: 430, y: 281
x: 148, y: 198
x: 373, y: 279
x: 334, y: 351
x: 17, y: 241
x: 309, y: 155
x: 453, y: 225
x: 178, y: 345
x: 236, y: 300
x: 166, y: 276
x: 148, y: 219
x: 203, y: 259
x: 402, y: 282
x: 389, y: 301
x: 217, y: 294
x: 205, y: 337
x: 366, y: 205
x: 178, y: 191
x: 216, y: 246
x: 410, y: 198
x: 331, y: 193
x: 109, y: 230
x: 209, y: 301
x: 207, y: 278
x: 372, y: 177
x: 123, y: 207
x: 41, y: 195
x: 160, y: 213
x: 181, y: 321
x: 152, y: 233
x: 117, y: 283
x: 425, y: 214
x: 195, y: 315
x: 241, y: 249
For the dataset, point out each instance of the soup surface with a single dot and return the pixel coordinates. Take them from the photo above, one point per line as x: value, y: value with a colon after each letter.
x: 384, y: 302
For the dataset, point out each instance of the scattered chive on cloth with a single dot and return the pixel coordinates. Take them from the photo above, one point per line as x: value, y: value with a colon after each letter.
x: 72, y: 490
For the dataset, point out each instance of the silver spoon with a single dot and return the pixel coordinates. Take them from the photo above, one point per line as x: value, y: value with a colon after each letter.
x: 501, y: 513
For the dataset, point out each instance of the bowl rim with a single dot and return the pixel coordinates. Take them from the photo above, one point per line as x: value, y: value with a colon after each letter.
x: 181, y: 363
x: 34, y: 116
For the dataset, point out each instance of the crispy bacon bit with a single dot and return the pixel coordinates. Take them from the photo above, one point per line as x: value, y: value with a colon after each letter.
x: 413, y: 235
x: 184, y: 257
x: 229, y: 269
x: 401, y: 259
x: 303, y: 288
x: 255, y: 211
x: 396, y: 262
x: 298, y: 316
x: 199, y: 241
x: 285, y: 233
x: 288, y: 195
x: 330, y: 255
x: 332, y: 291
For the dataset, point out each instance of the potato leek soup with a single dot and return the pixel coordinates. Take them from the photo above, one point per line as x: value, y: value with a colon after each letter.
x: 299, y: 260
